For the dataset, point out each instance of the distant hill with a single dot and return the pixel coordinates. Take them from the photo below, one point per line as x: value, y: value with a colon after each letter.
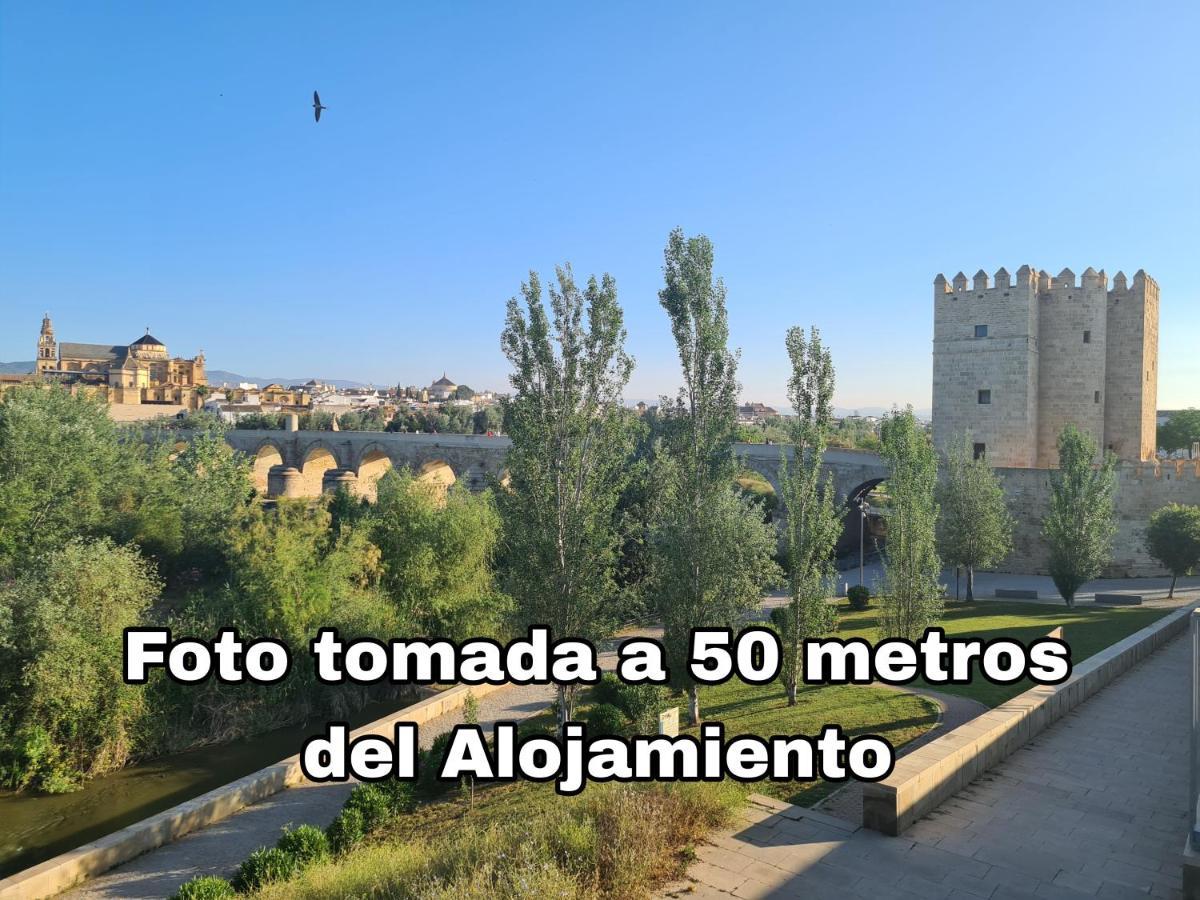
x: 220, y: 376
x: 16, y: 368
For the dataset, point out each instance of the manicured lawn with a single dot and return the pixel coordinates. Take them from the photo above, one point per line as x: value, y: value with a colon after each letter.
x: 1088, y: 630
x: 894, y: 715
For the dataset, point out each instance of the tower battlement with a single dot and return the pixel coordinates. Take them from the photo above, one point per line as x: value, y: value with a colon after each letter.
x: 1017, y: 357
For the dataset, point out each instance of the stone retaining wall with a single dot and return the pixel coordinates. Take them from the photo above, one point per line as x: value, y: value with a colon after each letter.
x: 929, y: 775
x: 61, y: 872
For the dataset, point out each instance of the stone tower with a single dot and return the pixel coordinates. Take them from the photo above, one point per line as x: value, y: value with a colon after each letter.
x: 47, y: 349
x: 1015, y: 361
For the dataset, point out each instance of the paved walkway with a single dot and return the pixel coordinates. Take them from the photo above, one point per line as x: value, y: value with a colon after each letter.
x: 1092, y: 807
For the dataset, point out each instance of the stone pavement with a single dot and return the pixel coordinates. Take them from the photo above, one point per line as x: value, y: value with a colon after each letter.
x: 1092, y: 807
x: 846, y: 802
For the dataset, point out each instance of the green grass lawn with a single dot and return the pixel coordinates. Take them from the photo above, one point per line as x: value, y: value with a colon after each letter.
x: 759, y: 709
x: 1088, y: 630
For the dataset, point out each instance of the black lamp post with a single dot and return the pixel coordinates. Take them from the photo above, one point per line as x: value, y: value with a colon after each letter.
x: 863, y: 507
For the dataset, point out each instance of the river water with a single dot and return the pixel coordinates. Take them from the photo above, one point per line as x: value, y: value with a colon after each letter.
x: 35, y: 827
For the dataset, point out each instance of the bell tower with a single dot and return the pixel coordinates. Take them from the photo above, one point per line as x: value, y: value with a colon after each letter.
x: 47, y: 352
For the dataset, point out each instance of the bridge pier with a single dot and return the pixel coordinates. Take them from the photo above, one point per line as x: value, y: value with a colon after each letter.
x: 333, y: 479
x: 284, y: 481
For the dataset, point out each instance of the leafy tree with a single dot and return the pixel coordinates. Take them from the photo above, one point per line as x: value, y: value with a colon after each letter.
x: 464, y: 392
x: 262, y: 421
x: 291, y: 571
x: 1181, y: 431
x: 912, y: 598
x: 1081, y: 522
x: 180, y: 506
x: 974, y: 526
x: 65, y: 711
x: 487, y: 419
x: 436, y: 552
x: 713, y: 554
x: 63, y: 468
x: 813, y: 523
x: 568, y: 462
x: 1173, y: 538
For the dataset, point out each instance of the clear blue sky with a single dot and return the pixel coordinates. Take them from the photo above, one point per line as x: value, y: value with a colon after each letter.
x: 159, y: 165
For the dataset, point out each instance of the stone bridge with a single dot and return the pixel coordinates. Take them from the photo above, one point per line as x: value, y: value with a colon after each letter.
x: 306, y: 463
x: 854, y: 471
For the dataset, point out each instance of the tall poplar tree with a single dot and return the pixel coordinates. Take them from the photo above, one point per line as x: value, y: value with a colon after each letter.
x: 974, y: 525
x: 712, y: 555
x: 912, y: 598
x: 1082, y: 520
x: 813, y: 523
x: 569, y: 459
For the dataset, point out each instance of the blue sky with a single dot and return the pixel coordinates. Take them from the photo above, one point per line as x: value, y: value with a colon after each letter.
x: 159, y: 165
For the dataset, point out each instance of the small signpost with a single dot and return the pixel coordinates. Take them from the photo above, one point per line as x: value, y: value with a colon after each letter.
x: 668, y: 721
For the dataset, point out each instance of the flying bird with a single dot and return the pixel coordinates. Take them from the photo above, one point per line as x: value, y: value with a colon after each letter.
x: 317, y: 107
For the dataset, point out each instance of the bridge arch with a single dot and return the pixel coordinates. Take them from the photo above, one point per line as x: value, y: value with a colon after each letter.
x: 436, y: 472
x: 266, y: 456
x: 316, y: 461
x: 373, y: 464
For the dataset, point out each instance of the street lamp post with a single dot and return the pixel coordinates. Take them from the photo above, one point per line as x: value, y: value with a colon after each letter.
x: 863, y: 506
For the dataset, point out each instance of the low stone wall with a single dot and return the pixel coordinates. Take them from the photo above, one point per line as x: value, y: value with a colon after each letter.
x: 55, y: 875
x: 929, y: 775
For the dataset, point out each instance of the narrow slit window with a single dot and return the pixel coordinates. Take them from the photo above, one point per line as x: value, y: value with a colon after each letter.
x: 1096, y: 397
x: 1087, y: 337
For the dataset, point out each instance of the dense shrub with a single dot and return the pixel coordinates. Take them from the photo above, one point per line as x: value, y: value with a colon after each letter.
x: 374, y: 804
x: 306, y: 844
x: 206, y: 887
x: 346, y: 830
x: 65, y: 711
x: 859, y: 597
x: 605, y: 719
x: 401, y: 795
x: 262, y: 867
x: 607, y: 690
x: 642, y: 703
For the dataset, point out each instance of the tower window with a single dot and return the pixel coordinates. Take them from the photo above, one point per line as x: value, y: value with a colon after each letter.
x: 985, y: 396
x: 980, y: 331
x: 1096, y: 397
x: 980, y: 451
x: 1087, y: 337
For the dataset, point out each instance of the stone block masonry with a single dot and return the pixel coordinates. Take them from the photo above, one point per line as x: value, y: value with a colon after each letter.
x: 1017, y: 360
